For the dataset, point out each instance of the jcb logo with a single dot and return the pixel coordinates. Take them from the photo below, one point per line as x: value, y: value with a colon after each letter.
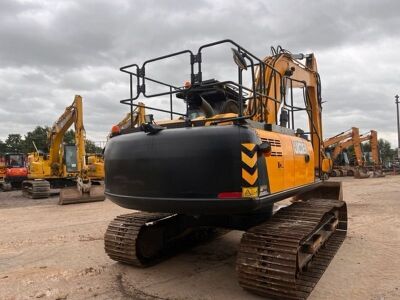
x: 299, y: 148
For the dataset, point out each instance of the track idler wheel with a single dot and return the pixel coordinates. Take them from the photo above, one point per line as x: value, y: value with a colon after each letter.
x: 130, y: 241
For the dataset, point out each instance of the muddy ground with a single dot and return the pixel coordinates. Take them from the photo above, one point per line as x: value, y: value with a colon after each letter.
x: 56, y: 252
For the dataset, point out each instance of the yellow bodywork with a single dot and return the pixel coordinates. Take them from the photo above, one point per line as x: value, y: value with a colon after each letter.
x: 287, y: 167
x: 2, y: 168
x: 41, y: 167
x: 95, y: 166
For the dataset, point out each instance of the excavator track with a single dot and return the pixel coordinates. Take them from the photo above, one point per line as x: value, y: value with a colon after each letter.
x: 284, y: 257
x: 142, y: 239
x: 36, y: 189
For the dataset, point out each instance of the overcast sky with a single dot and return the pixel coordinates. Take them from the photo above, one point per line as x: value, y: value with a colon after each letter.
x: 52, y: 50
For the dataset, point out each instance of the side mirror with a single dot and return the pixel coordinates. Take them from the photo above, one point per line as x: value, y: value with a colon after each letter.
x: 239, y: 59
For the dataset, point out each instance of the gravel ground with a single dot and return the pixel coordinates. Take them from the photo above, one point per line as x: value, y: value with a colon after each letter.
x: 56, y: 252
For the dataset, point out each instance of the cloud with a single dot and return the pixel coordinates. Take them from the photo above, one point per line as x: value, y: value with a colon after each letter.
x: 52, y: 50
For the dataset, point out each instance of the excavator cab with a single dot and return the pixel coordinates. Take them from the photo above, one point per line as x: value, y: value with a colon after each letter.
x: 85, y: 190
x: 71, y: 162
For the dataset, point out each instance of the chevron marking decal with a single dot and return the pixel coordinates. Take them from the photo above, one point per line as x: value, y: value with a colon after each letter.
x: 250, y: 161
x: 250, y: 178
x: 249, y: 146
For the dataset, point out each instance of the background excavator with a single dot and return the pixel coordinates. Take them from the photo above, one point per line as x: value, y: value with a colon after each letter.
x: 357, y: 168
x: 340, y: 137
x: 132, y: 119
x: 224, y: 163
x: 329, y: 149
x: 373, y: 163
x: 341, y: 142
x: 95, y: 166
x: 14, y: 171
x: 65, y: 165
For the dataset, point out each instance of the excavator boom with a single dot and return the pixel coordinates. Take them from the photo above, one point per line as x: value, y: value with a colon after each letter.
x: 352, y: 140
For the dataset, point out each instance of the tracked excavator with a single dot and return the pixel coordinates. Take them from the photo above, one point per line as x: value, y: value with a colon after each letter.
x: 338, y: 144
x: 64, y: 166
x: 376, y: 166
x: 328, y: 148
x: 358, y: 169
x: 132, y: 119
x: 223, y: 163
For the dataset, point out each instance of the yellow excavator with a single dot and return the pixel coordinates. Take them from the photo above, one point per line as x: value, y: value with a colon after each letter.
x: 374, y: 162
x: 358, y: 169
x: 341, y: 142
x: 65, y: 165
x: 329, y: 151
x: 133, y: 119
x: 224, y: 162
x: 95, y: 166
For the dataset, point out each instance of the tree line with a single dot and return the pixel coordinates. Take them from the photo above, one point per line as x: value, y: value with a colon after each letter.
x: 26, y: 144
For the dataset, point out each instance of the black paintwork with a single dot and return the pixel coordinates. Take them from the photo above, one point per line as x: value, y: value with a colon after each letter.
x: 146, y: 171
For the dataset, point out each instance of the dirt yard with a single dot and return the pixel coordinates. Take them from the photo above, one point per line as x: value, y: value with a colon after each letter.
x: 56, y: 252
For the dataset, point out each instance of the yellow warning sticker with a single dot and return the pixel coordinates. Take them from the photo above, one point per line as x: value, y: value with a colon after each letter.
x: 249, y: 192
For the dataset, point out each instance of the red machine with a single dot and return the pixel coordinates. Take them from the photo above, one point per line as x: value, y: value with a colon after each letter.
x: 15, y: 170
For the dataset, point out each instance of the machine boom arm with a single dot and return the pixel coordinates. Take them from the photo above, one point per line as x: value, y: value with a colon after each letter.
x: 356, y: 141
x: 287, y: 72
x: 73, y: 114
